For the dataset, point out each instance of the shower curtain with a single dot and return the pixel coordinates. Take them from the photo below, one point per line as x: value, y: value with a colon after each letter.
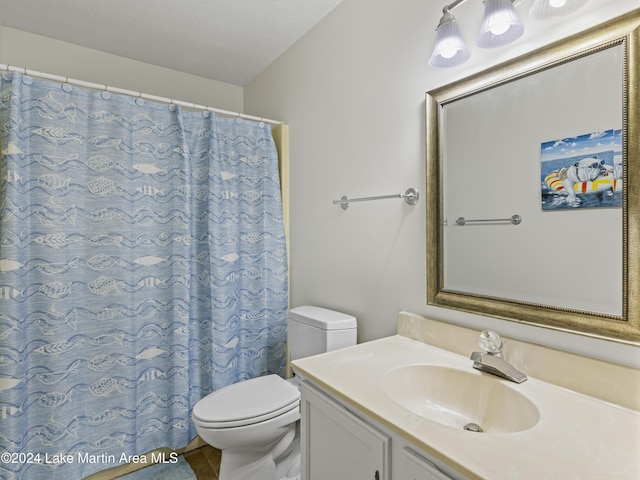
x: 143, y: 265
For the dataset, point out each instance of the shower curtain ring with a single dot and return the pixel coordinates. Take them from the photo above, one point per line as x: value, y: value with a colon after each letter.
x: 66, y: 86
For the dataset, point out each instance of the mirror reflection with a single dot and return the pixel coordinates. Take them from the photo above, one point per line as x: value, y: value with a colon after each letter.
x: 530, y: 217
x: 499, y: 145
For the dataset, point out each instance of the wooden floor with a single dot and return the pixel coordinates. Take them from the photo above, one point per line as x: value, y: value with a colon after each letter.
x: 205, y: 462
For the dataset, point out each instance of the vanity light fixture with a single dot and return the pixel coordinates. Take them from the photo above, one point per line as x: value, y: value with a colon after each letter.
x: 544, y: 9
x: 450, y: 50
x: 500, y: 26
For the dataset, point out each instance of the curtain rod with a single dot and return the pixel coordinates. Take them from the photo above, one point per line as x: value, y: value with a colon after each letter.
x: 131, y: 93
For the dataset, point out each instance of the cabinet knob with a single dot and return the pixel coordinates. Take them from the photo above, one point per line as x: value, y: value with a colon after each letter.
x: 377, y: 475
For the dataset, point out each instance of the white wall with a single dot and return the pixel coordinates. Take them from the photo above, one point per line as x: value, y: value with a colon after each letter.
x: 353, y: 91
x: 35, y: 52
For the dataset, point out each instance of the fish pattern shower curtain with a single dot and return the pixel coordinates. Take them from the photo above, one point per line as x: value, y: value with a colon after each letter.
x: 142, y: 266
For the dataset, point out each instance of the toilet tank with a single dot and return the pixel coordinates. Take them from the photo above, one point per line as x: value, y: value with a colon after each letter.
x: 314, y: 330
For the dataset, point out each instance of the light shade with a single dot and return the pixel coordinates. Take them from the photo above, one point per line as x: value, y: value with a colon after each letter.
x: 543, y: 9
x: 500, y: 25
x: 449, y: 50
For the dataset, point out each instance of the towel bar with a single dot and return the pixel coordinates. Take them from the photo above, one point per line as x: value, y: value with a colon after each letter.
x: 410, y: 197
x: 514, y: 220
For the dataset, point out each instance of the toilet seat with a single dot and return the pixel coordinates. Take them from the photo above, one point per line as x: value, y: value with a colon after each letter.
x: 247, y: 402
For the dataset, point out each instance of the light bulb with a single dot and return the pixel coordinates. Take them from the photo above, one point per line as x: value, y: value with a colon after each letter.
x: 448, y: 49
x: 500, y: 26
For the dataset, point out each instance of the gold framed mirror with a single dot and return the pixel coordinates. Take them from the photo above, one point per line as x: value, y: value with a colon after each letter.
x: 533, y: 187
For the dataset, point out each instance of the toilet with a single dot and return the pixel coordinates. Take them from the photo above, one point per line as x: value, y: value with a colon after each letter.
x: 255, y: 423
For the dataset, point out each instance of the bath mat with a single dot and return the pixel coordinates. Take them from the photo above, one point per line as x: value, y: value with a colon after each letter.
x: 163, y: 471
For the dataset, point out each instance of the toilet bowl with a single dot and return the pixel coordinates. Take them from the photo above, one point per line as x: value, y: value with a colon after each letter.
x: 255, y: 422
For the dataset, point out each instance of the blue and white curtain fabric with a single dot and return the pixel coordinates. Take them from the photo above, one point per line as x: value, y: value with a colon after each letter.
x: 142, y: 266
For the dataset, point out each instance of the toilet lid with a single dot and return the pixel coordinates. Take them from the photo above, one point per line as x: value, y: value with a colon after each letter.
x: 247, y: 402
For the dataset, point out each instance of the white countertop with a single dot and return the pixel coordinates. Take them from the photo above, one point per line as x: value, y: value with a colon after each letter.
x: 577, y: 437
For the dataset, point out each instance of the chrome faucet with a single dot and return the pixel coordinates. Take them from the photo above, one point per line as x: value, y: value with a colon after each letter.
x: 492, y: 361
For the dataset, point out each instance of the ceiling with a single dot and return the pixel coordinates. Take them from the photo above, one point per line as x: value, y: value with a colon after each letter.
x: 227, y: 40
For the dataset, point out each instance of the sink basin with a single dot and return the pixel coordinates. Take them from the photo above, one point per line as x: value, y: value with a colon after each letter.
x: 457, y: 398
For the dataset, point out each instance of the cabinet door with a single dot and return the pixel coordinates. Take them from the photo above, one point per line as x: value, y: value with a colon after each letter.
x: 337, y: 445
x: 416, y: 467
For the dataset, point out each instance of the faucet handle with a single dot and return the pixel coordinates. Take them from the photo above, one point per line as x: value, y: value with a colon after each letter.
x: 491, y: 343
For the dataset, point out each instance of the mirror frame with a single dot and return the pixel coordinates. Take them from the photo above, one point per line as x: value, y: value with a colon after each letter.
x: 623, y: 31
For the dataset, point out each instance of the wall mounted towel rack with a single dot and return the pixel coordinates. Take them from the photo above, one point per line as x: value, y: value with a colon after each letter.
x: 514, y: 220
x: 410, y: 197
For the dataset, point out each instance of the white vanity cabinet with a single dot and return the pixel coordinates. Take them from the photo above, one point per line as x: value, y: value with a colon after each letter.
x: 335, y: 444
x: 341, y: 443
x: 414, y: 466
